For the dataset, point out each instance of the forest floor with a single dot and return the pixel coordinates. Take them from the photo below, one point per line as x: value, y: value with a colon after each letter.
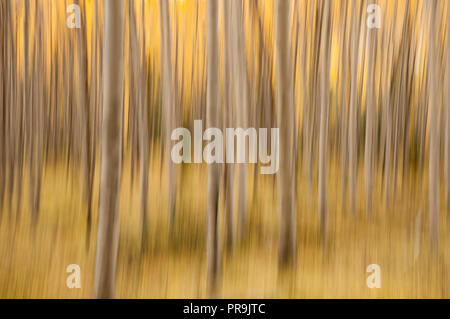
x: 33, y: 263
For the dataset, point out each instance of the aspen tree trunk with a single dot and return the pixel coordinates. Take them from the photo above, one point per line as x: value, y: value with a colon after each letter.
x: 447, y: 113
x: 408, y: 104
x: 6, y: 100
x: 344, y: 100
x: 21, y: 128
x: 95, y: 95
x: 12, y: 100
x: 242, y: 106
x: 144, y: 139
x: 370, y: 118
x: 111, y: 148
x: 68, y: 80
x: 29, y: 115
x: 3, y: 102
x: 39, y: 123
x: 387, y: 113
x: 36, y: 121
x: 324, y: 111
x: 387, y: 155
x: 29, y: 127
x: 286, y: 111
x: 133, y: 106
x: 403, y: 102
x: 352, y: 128
x: 138, y: 93
x: 168, y: 102
x: 307, y: 105
x: 212, y: 118
x: 84, y: 110
x: 228, y: 121
x: 433, y: 170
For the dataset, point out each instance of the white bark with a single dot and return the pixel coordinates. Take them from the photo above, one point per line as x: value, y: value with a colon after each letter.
x: 286, y: 112
x: 228, y: 122
x: 370, y: 119
x: 447, y: 113
x: 212, y: 120
x: 324, y: 111
x: 168, y: 102
x: 433, y: 169
x: 241, y: 96
x: 352, y: 129
x: 111, y: 150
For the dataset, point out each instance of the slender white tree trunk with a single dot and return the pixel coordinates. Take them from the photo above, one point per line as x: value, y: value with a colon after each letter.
x: 242, y: 105
x: 447, y: 113
x: 228, y: 122
x: 111, y: 150
x: 344, y: 100
x: 324, y: 110
x: 143, y: 129
x: 352, y: 141
x: 212, y: 119
x: 84, y: 111
x: 370, y: 118
x: 168, y: 102
x: 286, y: 112
x: 433, y: 170
x: 387, y: 113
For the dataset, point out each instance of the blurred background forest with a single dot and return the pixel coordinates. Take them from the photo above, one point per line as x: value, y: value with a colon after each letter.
x: 364, y: 118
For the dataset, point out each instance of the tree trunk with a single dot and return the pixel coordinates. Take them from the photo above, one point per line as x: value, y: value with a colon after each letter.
x: 111, y: 148
x: 447, y: 113
x: 352, y: 129
x: 242, y: 106
x: 387, y: 113
x: 370, y: 119
x: 344, y: 100
x: 213, y: 169
x: 228, y: 122
x: 286, y: 111
x: 168, y: 103
x: 85, y: 121
x: 144, y: 139
x: 324, y: 110
x: 433, y: 170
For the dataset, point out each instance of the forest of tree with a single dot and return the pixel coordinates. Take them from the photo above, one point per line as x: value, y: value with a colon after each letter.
x: 360, y: 92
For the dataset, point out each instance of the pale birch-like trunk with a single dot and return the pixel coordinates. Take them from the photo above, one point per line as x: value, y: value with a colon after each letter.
x: 21, y: 116
x: 84, y: 111
x: 138, y: 92
x: 144, y: 135
x: 239, y: 63
x: 228, y: 122
x: 370, y: 119
x: 286, y: 111
x: 212, y: 120
x: 3, y: 103
x: 433, y: 169
x: 307, y: 126
x: 352, y: 128
x: 324, y: 111
x: 111, y: 150
x: 36, y: 136
x: 447, y: 116
x: 344, y: 51
x: 387, y: 113
x: 168, y: 103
